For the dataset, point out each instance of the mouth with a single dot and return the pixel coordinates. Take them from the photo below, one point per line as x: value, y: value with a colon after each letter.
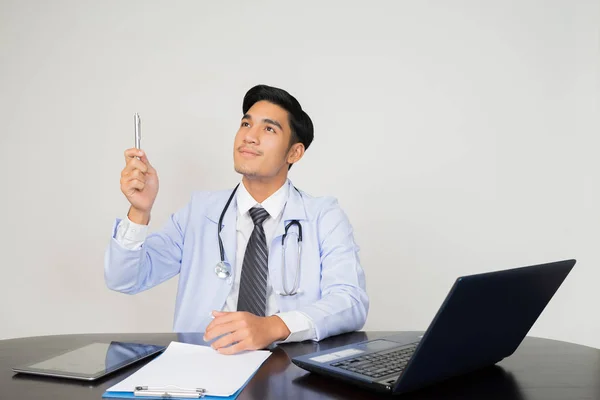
x: 248, y: 153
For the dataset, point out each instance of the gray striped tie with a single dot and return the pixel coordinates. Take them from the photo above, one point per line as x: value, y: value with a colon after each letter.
x: 253, y: 283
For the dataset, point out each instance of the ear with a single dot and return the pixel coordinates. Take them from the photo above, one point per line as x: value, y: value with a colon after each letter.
x: 295, y: 153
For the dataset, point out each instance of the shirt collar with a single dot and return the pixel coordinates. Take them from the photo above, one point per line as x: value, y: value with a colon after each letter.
x: 274, y: 204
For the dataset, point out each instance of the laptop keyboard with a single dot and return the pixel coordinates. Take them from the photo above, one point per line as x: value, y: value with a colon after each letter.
x: 380, y: 364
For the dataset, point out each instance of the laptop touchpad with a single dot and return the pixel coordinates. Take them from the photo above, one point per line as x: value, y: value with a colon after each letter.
x: 377, y: 345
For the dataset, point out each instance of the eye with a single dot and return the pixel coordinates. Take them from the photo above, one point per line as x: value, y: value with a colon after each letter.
x: 270, y: 129
x: 245, y: 124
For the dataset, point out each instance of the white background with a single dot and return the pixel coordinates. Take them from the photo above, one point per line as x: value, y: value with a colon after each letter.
x: 459, y: 136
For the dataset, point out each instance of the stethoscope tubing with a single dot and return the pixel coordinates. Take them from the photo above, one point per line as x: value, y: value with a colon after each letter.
x: 221, y: 264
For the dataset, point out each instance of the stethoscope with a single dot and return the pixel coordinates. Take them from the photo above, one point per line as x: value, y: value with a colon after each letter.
x: 223, y: 269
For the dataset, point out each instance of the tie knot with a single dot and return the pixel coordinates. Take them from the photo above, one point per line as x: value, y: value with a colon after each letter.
x: 258, y: 215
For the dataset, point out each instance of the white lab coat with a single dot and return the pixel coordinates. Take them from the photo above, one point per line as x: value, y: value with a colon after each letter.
x: 332, y: 280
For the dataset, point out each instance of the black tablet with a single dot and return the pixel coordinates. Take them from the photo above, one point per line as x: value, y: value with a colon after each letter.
x: 92, y: 361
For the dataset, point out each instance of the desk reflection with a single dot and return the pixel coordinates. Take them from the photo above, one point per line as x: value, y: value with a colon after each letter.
x: 119, y: 353
x: 275, y: 379
x: 490, y: 383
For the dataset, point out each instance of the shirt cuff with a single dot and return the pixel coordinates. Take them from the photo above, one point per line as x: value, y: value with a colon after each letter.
x: 131, y: 235
x: 300, y: 325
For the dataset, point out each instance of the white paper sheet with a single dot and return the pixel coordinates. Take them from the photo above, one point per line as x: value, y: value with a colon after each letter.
x: 191, y: 366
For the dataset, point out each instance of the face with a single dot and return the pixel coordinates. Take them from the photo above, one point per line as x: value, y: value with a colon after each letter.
x: 262, y: 144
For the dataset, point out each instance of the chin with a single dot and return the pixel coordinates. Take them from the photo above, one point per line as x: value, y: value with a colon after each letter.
x: 245, y: 170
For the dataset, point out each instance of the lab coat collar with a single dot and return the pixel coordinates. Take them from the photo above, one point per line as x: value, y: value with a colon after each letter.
x: 228, y: 236
x: 293, y: 210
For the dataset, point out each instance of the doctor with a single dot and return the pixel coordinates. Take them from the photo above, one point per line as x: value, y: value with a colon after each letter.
x: 262, y: 263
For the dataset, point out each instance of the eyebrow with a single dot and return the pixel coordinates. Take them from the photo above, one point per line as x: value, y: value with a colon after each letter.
x: 265, y: 121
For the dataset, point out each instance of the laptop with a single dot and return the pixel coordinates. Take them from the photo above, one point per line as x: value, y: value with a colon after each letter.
x: 483, y: 320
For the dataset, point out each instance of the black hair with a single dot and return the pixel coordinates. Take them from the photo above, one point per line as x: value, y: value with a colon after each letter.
x: 300, y: 122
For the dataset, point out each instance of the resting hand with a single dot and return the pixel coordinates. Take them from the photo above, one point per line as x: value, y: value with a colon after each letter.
x: 244, y: 331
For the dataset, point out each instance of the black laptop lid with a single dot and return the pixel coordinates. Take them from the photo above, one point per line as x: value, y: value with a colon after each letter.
x: 483, y: 320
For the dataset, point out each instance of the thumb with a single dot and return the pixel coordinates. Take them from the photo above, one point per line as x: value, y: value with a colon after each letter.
x: 144, y: 159
x: 219, y: 313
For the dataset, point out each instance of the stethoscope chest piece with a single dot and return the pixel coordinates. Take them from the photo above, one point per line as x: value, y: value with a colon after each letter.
x: 222, y: 270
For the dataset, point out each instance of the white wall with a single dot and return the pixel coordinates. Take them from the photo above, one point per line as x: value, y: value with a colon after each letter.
x: 459, y: 136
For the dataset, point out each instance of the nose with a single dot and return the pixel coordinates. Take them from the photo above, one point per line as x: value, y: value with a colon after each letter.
x: 251, y: 136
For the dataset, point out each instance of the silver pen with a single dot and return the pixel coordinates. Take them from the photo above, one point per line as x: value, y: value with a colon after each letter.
x: 137, y: 125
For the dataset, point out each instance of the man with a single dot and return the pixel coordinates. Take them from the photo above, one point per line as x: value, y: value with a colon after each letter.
x: 255, y: 296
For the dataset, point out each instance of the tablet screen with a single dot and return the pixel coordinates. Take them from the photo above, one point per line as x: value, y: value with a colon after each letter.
x: 92, y: 361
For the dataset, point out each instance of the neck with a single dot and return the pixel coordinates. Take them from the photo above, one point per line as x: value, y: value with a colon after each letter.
x: 260, y: 188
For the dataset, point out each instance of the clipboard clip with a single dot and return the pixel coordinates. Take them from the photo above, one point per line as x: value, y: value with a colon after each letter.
x: 170, y: 391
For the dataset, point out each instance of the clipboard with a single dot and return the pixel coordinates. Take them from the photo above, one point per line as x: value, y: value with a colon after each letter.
x: 131, y: 395
x: 187, y: 371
